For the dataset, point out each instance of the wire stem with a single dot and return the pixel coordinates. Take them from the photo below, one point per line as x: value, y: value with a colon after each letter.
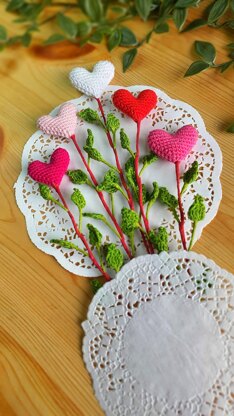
x: 193, y: 235
x: 182, y: 216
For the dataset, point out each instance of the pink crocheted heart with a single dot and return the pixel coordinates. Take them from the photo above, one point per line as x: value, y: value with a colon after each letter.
x: 62, y: 125
x: 50, y: 173
x: 173, y: 147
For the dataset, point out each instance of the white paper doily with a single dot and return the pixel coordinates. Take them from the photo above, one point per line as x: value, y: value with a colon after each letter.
x: 46, y: 221
x: 159, y: 338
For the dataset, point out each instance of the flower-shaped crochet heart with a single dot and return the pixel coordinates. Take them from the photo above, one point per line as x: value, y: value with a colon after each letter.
x: 135, y: 107
x: 173, y: 147
x: 93, y: 83
x: 62, y: 125
x: 50, y: 173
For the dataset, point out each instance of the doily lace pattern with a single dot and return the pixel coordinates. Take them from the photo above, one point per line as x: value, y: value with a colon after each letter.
x: 110, y: 343
x: 45, y: 221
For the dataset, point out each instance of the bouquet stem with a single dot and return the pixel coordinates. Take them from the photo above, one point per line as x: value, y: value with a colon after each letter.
x: 181, y: 209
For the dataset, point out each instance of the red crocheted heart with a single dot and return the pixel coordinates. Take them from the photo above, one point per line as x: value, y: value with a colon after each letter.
x: 173, y: 147
x: 50, y: 173
x: 135, y: 107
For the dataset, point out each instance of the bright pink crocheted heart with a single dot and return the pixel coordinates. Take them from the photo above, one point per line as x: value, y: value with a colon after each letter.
x: 62, y: 125
x: 173, y: 147
x: 50, y: 173
x: 135, y: 107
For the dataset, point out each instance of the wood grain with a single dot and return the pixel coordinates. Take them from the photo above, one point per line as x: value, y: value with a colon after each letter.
x: 42, y: 305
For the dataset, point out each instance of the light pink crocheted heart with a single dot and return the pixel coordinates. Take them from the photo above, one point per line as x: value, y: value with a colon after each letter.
x: 50, y: 173
x: 62, y: 125
x: 173, y: 147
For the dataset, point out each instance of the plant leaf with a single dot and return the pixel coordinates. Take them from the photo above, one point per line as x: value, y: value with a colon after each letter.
x: 179, y: 17
x: 114, y: 257
x: 14, y: 5
x: 197, y: 210
x: 217, y: 10
x: 128, y: 58
x: 206, y: 50
x: 55, y: 38
x: 195, y: 24
x: 3, y: 34
x: 93, y: 9
x: 143, y: 8
x: 114, y: 39
x: 67, y: 25
x: 83, y: 28
x: 162, y: 28
x: 186, y: 3
x: 223, y: 67
x: 127, y: 37
x: 95, y: 237
x: 196, y: 67
x: 78, y: 199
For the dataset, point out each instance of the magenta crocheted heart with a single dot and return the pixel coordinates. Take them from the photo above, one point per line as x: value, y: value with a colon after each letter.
x: 50, y: 173
x: 173, y: 147
x: 62, y: 125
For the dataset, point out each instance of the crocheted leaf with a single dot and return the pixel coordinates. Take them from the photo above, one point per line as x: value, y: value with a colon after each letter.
x: 190, y: 176
x: 114, y: 257
x: 78, y: 199
x: 93, y: 153
x: 167, y: 198
x: 94, y: 215
x: 125, y: 142
x: 45, y: 192
x: 78, y: 177
x: 68, y: 244
x: 95, y: 237
x: 90, y: 115
x: 110, y: 182
x: 129, y: 221
x: 112, y: 123
x: 154, y: 195
x: 90, y: 138
x: 147, y: 160
x: 197, y: 210
x: 130, y: 174
x: 159, y: 240
x: 95, y: 285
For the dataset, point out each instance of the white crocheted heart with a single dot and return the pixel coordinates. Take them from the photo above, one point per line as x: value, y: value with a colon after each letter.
x: 93, y: 83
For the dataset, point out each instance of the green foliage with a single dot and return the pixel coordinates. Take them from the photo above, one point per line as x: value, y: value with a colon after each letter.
x: 128, y: 58
x: 130, y: 175
x: 46, y: 194
x: 78, y: 177
x: 167, y: 198
x: 110, y: 182
x: 78, y: 199
x: 112, y: 123
x: 93, y: 153
x: 129, y: 221
x: 159, y: 240
x: 95, y: 285
x: 114, y: 256
x: 147, y: 160
x: 67, y: 25
x: 68, y: 244
x: 197, y: 210
x: 152, y: 197
x: 125, y: 142
x: 90, y: 138
x: 190, y: 176
x: 95, y: 237
x: 91, y: 116
x: 143, y: 8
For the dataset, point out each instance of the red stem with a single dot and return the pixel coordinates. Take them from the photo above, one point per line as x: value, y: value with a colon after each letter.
x: 182, y: 216
x: 118, y: 165
x: 81, y: 236
x: 101, y: 196
x: 139, y: 183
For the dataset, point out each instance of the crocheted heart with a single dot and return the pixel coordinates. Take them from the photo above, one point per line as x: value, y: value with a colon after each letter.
x: 93, y: 83
x: 173, y: 147
x: 62, y: 125
x: 135, y: 107
x: 50, y: 173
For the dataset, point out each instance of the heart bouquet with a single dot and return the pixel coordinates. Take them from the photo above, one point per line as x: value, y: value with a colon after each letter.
x: 123, y: 173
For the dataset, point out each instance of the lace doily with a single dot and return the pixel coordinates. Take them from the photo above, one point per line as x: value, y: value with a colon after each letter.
x: 46, y: 221
x: 159, y: 338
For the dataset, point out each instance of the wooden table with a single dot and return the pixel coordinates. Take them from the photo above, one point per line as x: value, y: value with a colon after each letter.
x: 42, y: 305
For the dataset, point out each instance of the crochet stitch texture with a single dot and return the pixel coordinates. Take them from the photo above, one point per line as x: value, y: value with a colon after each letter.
x: 62, y: 125
x: 135, y: 107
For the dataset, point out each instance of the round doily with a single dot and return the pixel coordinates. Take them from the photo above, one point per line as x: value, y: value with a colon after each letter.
x: 46, y: 221
x: 159, y: 338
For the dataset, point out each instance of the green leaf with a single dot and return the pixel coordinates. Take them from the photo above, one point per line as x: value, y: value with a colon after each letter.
x: 147, y: 160
x: 197, y: 210
x: 90, y: 138
x: 93, y: 153
x: 68, y: 244
x: 196, y: 67
x: 125, y: 142
x: 45, y: 192
x: 82, y: 29
x: 195, y: 24
x: 206, y: 50
x: 168, y: 199
x: 143, y: 8
x: 114, y: 257
x: 95, y: 216
x: 190, y: 176
x: 129, y: 221
x: 78, y: 199
x: 128, y: 58
x: 230, y: 129
x: 90, y: 115
x: 114, y: 39
x: 95, y: 285
x: 67, y: 25
x: 159, y: 240
x: 95, y: 237
x: 186, y: 3
x: 217, y: 10
x: 93, y: 9
x: 57, y: 37
x: 127, y: 37
x: 223, y: 67
x: 78, y: 177
x: 230, y: 45
x: 162, y: 28
x: 26, y: 39
x: 110, y: 182
x: 3, y: 34
x: 179, y: 17
x: 112, y: 123
x: 14, y: 5
x: 96, y: 37
x: 153, y: 196
x: 130, y: 175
